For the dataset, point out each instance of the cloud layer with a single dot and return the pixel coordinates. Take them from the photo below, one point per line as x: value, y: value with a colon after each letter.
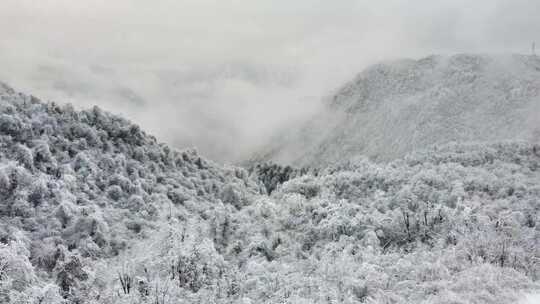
x: 221, y: 75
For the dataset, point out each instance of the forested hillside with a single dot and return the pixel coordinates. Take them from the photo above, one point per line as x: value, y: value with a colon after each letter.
x: 94, y: 210
x: 82, y: 187
x: 393, y: 108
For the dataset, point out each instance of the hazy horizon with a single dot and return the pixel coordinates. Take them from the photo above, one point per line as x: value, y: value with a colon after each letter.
x: 221, y: 77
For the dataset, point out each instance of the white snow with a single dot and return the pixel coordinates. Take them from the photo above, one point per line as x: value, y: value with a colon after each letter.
x: 94, y: 210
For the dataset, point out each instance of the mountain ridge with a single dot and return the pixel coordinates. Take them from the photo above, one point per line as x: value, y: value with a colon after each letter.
x: 391, y: 108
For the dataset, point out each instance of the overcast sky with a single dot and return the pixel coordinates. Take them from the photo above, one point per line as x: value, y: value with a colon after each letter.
x: 220, y: 75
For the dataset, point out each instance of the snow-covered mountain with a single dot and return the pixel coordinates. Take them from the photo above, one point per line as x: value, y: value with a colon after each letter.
x: 94, y: 210
x: 79, y: 187
x: 393, y: 108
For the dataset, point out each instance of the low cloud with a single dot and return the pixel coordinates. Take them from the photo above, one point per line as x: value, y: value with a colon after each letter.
x: 222, y: 75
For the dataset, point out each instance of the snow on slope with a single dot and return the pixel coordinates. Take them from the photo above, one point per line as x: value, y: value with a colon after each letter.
x: 94, y: 210
x: 393, y: 108
x: 77, y: 186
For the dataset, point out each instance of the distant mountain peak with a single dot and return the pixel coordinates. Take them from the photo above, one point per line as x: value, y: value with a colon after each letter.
x: 393, y: 108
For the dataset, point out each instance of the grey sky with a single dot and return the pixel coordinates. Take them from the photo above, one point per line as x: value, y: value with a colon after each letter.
x: 220, y: 75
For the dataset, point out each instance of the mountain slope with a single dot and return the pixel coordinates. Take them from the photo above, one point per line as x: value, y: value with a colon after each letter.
x: 393, y: 108
x: 94, y: 210
x: 78, y: 186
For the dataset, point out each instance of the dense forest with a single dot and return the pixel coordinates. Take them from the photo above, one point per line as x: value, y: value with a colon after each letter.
x: 94, y: 210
